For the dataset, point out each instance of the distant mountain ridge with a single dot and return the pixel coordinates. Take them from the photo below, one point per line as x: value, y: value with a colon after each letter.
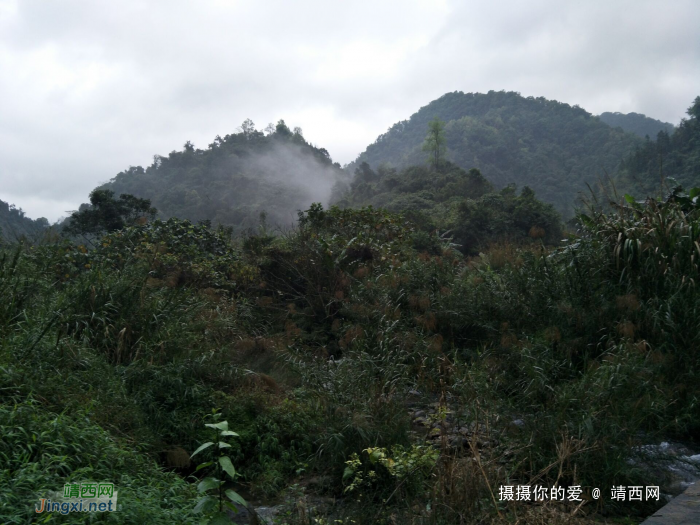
x: 637, y: 123
x: 550, y: 146
x: 14, y: 225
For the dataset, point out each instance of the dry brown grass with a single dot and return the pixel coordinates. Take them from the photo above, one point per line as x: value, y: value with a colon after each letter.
x: 424, y: 303
x: 291, y: 330
x: 428, y: 321
x: 552, y: 334
x: 177, y: 457
x: 626, y: 329
x: 351, y: 334
x: 536, y: 233
x: 361, y: 310
x: 436, y: 343
x: 391, y: 312
x: 361, y: 272
x: 172, y: 279
x: 245, y: 345
x: 508, y: 341
x: 628, y: 303
x: 263, y: 382
x: 212, y: 294
x: 419, y: 302
x: 152, y: 282
x: 504, y: 254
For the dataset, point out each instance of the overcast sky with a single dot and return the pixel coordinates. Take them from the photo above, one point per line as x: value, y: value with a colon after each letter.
x: 88, y: 88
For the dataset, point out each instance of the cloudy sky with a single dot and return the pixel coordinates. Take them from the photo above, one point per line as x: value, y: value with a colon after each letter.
x: 88, y: 88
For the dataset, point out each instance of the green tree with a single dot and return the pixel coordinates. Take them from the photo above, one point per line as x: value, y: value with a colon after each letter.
x: 435, y: 142
x: 107, y: 214
x: 282, y: 129
x: 248, y: 128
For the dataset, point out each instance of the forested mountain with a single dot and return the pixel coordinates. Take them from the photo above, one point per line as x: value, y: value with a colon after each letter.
x: 636, y: 123
x: 674, y: 156
x: 550, y: 146
x: 14, y: 225
x: 236, y: 178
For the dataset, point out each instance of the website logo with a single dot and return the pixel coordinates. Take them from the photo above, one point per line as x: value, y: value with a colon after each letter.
x: 80, y: 497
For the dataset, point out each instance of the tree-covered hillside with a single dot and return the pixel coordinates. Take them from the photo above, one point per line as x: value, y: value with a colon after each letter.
x: 450, y: 199
x: 236, y: 178
x: 674, y: 156
x: 636, y: 123
x: 14, y: 225
x: 357, y: 368
x: 550, y: 146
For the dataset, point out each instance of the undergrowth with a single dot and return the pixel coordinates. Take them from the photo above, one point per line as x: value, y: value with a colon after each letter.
x: 559, y: 363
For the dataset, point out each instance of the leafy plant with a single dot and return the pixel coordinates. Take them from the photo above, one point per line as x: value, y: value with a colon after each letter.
x: 216, y: 496
x: 380, y: 469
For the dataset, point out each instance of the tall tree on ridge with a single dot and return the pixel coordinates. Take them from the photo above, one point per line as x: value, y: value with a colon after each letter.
x: 435, y: 142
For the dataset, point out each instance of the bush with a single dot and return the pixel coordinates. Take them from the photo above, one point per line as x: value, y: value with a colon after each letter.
x: 41, y: 451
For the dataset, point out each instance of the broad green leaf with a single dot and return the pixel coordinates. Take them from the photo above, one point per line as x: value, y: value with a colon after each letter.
x: 629, y: 198
x: 224, y: 445
x: 205, y: 504
x: 226, y: 464
x: 235, y: 497
x: 348, y: 473
x: 694, y: 192
x: 222, y: 425
x: 204, y: 465
x: 229, y: 433
x: 202, y: 447
x: 585, y: 219
x: 207, y: 484
x: 231, y: 506
x: 375, y: 455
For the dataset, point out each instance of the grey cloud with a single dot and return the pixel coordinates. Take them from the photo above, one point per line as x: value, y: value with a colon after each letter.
x: 91, y: 88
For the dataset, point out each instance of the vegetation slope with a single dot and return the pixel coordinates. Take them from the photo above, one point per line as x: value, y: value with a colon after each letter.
x: 552, y: 147
x: 323, y: 346
x: 461, y: 205
x: 235, y: 179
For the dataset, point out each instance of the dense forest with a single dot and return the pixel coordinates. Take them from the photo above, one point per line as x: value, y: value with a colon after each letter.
x: 15, y: 225
x: 236, y: 178
x: 463, y: 205
x: 669, y: 160
x: 552, y: 147
x: 426, y: 335
x: 636, y: 123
